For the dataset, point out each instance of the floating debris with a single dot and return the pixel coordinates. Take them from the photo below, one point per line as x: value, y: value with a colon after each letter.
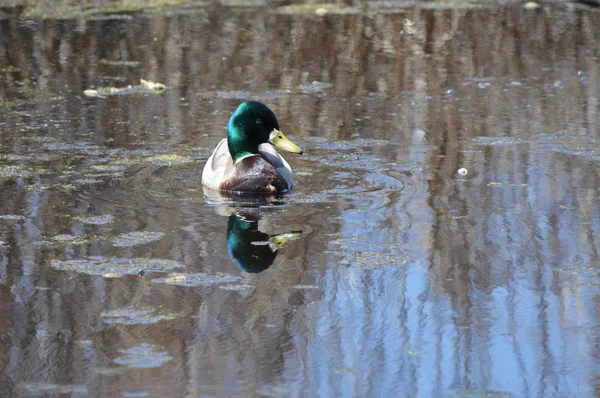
x: 145, y: 87
x: 111, y: 168
x: 133, y: 316
x: 86, y: 181
x: 63, y: 240
x: 491, y: 141
x: 10, y: 69
x: 452, y: 5
x: 198, y: 279
x: 236, y: 287
x: 12, y: 217
x: 143, y: 356
x: 115, y: 267
x: 314, y: 87
x: 500, y: 184
x: 96, y: 220
x: 463, y: 171
x: 305, y: 287
x: 120, y: 62
x: 136, y: 238
x: 318, y: 9
x: 265, y: 95
x: 9, y: 171
x: 169, y: 159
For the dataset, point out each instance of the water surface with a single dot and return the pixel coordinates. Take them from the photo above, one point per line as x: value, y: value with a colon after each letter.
x: 121, y: 276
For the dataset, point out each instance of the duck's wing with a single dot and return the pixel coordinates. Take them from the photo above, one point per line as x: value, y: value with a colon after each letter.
x: 218, y: 167
x: 270, y: 154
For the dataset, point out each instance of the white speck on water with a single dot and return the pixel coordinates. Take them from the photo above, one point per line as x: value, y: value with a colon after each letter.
x: 463, y: 171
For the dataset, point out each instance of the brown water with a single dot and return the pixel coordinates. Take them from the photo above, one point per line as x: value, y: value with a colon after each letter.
x: 120, y: 276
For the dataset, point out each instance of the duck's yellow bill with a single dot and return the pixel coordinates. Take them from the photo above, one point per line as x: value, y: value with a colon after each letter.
x: 277, y: 241
x: 280, y: 141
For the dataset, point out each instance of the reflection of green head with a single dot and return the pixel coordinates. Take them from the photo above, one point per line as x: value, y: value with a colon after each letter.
x: 251, y: 249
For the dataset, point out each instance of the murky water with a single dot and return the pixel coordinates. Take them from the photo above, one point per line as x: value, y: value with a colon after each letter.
x: 120, y: 276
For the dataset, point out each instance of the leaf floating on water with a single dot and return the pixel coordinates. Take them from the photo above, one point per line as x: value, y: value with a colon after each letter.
x: 149, y: 85
x: 115, y: 267
x: 198, y: 279
x: 145, y: 87
x: 143, y: 356
x: 136, y: 238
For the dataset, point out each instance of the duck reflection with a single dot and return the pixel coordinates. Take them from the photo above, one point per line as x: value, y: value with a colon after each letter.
x: 253, y: 250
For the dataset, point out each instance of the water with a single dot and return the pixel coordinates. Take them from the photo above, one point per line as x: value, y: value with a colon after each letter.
x: 386, y: 272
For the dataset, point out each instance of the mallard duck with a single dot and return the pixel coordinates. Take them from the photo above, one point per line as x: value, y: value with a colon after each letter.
x: 245, y: 161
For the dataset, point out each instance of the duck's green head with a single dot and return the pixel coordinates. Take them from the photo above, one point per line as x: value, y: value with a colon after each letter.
x: 252, y: 124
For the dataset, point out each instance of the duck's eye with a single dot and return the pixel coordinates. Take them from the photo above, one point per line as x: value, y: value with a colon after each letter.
x: 259, y: 121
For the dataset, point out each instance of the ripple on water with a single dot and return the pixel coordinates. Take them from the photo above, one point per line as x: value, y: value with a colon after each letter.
x: 96, y: 220
x: 12, y: 217
x: 552, y: 142
x: 133, y: 316
x: 63, y: 240
x: 359, y: 252
x: 341, y: 145
x: 136, y: 394
x: 481, y: 394
x: 112, y: 267
x: 41, y: 388
x: 236, y: 287
x: 370, y: 186
x: 198, y: 279
x: 11, y: 171
x: 143, y: 356
x: 136, y: 238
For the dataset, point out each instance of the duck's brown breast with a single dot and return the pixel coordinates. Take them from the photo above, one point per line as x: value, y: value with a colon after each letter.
x: 254, y: 174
